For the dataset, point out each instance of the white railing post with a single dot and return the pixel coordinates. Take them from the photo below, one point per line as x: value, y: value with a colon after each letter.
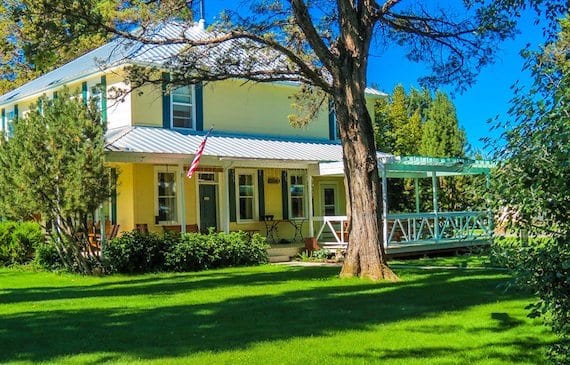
x: 384, y: 205
x: 435, y: 206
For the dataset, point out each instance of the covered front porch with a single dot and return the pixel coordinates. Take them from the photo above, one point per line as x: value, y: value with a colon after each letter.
x: 405, y: 232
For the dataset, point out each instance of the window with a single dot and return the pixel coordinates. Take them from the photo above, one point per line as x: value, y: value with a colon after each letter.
x: 297, y: 196
x: 97, y: 96
x: 11, y: 121
x: 246, y: 203
x: 333, y: 125
x: 167, y: 203
x: 182, y: 99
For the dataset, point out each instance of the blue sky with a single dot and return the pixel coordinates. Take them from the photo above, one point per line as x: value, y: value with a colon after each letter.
x: 487, y: 99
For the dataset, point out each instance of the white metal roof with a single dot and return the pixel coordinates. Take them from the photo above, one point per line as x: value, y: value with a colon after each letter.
x: 166, y: 141
x: 122, y: 51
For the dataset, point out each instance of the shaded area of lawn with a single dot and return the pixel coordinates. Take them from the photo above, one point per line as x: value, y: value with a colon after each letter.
x: 179, y: 316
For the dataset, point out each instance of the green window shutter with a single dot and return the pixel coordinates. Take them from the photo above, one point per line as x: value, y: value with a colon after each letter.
x: 232, y: 193
x: 16, y: 112
x: 104, y: 99
x: 3, y: 120
x: 41, y: 105
x: 84, y: 92
x: 165, y: 101
x: 55, y: 94
x: 332, y: 120
x: 114, y: 196
x: 199, y: 99
x: 261, y: 193
x: 285, y: 194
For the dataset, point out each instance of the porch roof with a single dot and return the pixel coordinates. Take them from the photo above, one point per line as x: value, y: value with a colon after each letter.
x: 419, y: 167
x: 152, y: 140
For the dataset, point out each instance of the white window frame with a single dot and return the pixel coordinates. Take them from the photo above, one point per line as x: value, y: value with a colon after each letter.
x: 253, y: 174
x: 169, y: 170
x: 192, y: 107
x: 290, y: 196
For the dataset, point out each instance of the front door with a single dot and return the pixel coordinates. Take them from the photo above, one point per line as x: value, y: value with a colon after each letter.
x: 329, y: 196
x: 208, y: 207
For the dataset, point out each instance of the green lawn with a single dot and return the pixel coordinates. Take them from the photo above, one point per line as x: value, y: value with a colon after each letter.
x: 266, y: 315
x: 465, y: 260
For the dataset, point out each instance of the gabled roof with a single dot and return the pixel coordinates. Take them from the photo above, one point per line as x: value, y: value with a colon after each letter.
x: 123, y: 51
x: 154, y: 140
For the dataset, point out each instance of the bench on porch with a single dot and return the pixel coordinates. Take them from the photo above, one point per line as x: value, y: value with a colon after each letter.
x: 177, y: 228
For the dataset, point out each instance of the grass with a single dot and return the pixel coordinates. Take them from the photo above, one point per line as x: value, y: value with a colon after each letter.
x: 267, y: 314
x: 467, y: 260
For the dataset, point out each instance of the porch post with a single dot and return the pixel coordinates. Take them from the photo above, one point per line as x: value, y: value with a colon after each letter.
x: 435, y: 207
x: 384, y: 204
x: 417, y: 193
x: 225, y: 201
x: 182, y: 199
x: 310, y: 204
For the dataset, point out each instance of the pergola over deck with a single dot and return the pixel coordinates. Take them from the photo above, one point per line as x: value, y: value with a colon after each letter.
x: 404, y: 232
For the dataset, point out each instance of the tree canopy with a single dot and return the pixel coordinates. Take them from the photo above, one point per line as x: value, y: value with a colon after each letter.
x: 532, y: 186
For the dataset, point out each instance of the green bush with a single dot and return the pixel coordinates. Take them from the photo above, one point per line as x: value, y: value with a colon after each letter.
x: 18, y: 242
x: 192, y: 252
x: 47, y: 257
x: 195, y: 251
x: 135, y: 252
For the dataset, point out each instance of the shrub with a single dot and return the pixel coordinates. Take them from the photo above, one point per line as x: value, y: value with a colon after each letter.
x: 135, y: 252
x: 192, y: 252
x: 47, y: 257
x: 18, y: 241
x: 195, y: 252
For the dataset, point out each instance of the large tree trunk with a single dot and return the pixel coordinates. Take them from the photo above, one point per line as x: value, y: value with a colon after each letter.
x: 366, y: 256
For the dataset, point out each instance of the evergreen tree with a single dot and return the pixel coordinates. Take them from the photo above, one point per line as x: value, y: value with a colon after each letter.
x: 54, y: 166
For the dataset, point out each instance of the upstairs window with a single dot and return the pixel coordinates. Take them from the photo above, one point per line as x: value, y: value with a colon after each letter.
x: 183, y: 114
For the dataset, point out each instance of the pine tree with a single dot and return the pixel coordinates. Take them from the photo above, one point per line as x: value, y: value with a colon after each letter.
x: 54, y: 166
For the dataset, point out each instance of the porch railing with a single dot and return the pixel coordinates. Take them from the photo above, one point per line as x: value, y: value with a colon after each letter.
x: 413, y: 228
x: 409, y: 228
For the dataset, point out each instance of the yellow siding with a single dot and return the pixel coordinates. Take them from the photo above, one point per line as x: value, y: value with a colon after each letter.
x: 255, y: 108
x: 147, y: 106
x: 125, y: 196
x: 190, y: 194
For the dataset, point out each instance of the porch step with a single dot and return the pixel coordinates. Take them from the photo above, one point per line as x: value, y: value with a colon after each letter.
x: 279, y: 258
x: 282, y: 253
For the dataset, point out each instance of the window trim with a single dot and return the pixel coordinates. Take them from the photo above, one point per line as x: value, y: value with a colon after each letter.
x: 173, y: 170
x: 255, y: 203
x: 290, y: 196
x: 192, y: 107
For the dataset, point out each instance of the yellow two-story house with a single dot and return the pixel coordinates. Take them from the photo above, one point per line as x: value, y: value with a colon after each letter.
x: 257, y: 172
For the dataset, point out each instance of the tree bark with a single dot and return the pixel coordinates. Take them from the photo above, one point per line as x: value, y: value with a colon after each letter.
x: 366, y: 256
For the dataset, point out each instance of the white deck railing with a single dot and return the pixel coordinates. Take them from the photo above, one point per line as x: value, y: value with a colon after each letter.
x: 412, y: 228
x: 409, y: 228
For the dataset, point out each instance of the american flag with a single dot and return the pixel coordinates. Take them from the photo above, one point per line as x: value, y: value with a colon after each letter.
x: 199, y: 151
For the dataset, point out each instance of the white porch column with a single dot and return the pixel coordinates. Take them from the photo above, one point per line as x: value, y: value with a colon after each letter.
x: 435, y: 206
x: 384, y: 204
x: 417, y: 193
x: 182, y: 198
x: 310, y: 204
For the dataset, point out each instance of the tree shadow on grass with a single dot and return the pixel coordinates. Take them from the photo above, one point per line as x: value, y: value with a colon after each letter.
x: 165, y: 284
x: 234, y: 323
